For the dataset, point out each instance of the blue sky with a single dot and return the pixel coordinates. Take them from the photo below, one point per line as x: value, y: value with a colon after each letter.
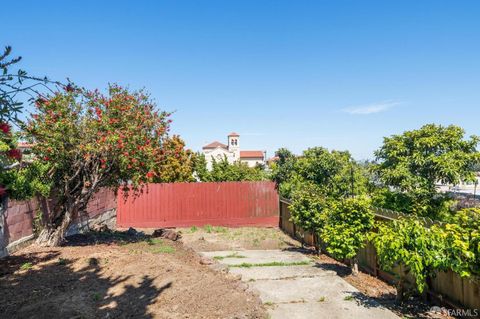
x: 296, y: 74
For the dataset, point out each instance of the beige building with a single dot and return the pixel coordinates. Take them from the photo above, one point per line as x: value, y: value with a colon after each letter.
x: 232, y: 152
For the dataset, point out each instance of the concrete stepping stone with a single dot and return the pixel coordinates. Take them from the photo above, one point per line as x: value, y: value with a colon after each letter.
x: 299, y: 291
x: 257, y: 256
x: 280, y: 272
x: 329, y: 310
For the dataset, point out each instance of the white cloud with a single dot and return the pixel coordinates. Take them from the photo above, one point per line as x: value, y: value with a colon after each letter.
x: 371, y: 108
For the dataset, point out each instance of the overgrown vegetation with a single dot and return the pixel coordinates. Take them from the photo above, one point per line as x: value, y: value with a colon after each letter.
x: 89, y: 140
x: 332, y: 196
x: 406, y: 244
x: 18, y: 179
x: 413, y: 163
x: 348, y: 223
x: 223, y: 171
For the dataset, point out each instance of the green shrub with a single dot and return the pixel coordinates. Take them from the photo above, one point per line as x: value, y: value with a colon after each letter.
x: 414, y: 249
x: 462, y: 242
x: 348, y: 222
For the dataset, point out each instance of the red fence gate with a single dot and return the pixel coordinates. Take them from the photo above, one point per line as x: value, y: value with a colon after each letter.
x: 198, y: 204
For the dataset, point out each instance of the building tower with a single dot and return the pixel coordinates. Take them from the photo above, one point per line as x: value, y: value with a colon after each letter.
x: 234, y: 145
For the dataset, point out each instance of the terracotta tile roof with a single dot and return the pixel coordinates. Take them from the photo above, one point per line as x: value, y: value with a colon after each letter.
x: 233, y: 134
x: 215, y: 145
x: 251, y: 154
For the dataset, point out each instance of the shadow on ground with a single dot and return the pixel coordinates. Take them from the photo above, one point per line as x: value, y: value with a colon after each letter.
x: 42, y: 285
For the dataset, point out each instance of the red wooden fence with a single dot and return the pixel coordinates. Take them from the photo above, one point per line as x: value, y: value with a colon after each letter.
x: 198, y: 204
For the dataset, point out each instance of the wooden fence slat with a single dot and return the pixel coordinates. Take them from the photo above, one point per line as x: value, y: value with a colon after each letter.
x: 448, y: 286
x: 199, y: 204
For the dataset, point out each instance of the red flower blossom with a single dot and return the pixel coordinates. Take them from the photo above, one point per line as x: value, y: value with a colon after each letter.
x: 15, y: 153
x: 69, y: 88
x: 99, y: 112
x: 5, y: 128
x: 150, y: 174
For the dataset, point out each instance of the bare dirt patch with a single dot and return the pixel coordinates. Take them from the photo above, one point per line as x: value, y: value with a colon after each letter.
x: 211, y: 238
x: 105, y: 277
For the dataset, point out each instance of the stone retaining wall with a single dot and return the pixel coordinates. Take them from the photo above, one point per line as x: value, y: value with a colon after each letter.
x: 17, y: 218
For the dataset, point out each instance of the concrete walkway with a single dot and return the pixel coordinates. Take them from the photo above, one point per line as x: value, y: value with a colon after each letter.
x: 297, y: 288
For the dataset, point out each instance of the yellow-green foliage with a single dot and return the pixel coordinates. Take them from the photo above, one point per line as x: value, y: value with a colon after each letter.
x: 462, y: 242
x: 347, y: 225
x: 407, y: 243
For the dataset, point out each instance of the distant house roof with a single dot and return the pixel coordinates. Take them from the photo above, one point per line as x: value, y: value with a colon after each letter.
x: 273, y: 159
x: 251, y: 154
x: 233, y: 134
x: 215, y: 145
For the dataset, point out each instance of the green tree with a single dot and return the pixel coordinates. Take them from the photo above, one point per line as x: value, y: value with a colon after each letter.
x: 201, y: 171
x: 91, y: 140
x: 308, y: 207
x: 283, y: 169
x: 415, y: 161
x: 462, y: 242
x: 17, y: 179
x: 410, y: 248
x: 224, y: 171
x: 335, y: 172
x: 175, y: 163
x: 347, y: 225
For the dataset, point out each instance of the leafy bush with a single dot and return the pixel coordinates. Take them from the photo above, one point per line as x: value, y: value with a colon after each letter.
x: 414, y: 249
x: 348, y: 223
x: 283, y: 169
x: 462, y: 242
x: 308, y: 208
x: 16, y: 180
x: 223, y: 171
x: 26, y: 181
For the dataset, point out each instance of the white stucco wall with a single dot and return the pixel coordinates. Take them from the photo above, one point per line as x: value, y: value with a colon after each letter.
x: 252, y: 162
x: 218, y: 154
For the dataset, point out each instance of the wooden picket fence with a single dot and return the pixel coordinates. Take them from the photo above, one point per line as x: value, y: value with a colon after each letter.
x: 446, y: 287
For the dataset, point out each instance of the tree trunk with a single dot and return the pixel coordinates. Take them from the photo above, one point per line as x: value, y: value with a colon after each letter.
x: 354, y: 265
x: 316, y: 244
x: 53, y: 235
x: 401, y: 285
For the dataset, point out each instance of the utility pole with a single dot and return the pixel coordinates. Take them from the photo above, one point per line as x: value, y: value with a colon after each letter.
x: 352, y: 181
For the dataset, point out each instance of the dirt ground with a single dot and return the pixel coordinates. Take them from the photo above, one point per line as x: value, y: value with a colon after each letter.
x: 119, y: 276
x: 211, y: 238
x: 220, y: 238
x: 105, y: 276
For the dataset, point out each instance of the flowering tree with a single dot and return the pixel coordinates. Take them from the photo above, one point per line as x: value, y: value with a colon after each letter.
x: 9, y: 153
x: 175, y: 163
x: 17, y: 180
x: 91, y: 140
